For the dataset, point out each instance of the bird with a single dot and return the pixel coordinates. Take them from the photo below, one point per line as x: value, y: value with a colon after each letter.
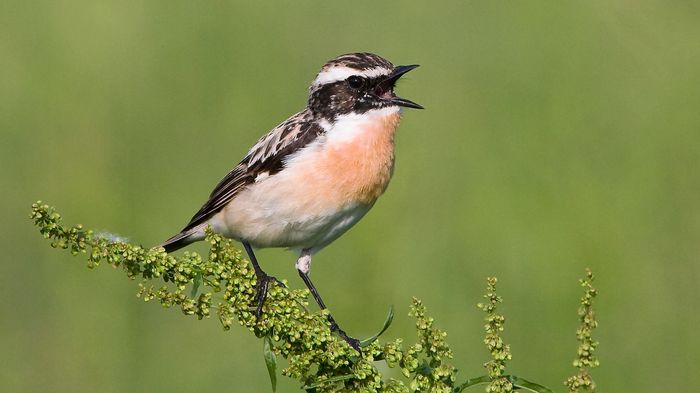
x: 315, y: 175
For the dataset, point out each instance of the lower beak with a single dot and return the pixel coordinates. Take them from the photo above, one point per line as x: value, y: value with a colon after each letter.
x: 391, y: 80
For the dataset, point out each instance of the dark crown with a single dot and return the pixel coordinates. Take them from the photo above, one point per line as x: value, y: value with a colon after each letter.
x: 359, y: 61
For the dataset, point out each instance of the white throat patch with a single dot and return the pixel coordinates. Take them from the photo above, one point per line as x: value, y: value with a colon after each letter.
x: 349, y: 126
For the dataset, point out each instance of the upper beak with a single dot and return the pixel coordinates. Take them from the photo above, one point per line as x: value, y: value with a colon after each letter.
x: 391, y: 80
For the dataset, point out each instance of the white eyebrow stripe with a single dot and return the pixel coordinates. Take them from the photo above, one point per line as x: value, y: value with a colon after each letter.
x: 336, y: 74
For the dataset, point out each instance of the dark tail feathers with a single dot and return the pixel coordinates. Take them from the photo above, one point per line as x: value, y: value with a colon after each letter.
x: 177, y: 242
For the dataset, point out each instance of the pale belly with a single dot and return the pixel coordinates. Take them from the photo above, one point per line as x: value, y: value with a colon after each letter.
x: 266, y: 221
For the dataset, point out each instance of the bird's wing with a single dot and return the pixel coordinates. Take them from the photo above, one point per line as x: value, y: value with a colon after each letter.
x: 267, y: 156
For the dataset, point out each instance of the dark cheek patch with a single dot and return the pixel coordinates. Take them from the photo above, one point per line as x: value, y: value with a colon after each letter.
x: 332, y: 100
x: 338, y: 98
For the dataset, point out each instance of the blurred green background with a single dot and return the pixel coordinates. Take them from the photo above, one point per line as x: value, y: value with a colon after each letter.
x: 556, y: 136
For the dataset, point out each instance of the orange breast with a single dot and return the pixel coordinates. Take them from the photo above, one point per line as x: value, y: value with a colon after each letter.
x: 356, y: 169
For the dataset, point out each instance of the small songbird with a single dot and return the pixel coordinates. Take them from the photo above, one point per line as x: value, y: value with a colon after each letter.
x: 315, y: 175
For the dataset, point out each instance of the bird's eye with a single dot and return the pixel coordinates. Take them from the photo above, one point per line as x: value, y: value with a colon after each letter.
x: 356, y: 82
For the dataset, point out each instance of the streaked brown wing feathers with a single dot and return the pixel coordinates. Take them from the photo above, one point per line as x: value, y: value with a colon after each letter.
x: 267, y: 155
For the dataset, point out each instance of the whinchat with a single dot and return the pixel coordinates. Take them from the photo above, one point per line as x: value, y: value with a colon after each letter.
x: 314, y: 176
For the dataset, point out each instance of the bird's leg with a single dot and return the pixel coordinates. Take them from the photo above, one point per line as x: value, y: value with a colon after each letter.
x: 303, y: 267
x: 262, y: 278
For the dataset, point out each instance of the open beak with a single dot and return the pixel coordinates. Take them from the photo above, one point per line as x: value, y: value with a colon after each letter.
x: 391, y: 80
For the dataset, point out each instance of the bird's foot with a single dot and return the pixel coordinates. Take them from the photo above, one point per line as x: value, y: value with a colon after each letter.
x: 353, y: 342
x: 262, y: 286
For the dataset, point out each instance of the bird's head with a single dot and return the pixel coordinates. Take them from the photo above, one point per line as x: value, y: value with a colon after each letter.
x: 357, y: 83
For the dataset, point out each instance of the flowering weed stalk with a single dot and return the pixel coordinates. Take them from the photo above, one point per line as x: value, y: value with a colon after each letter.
x: 223, y: 283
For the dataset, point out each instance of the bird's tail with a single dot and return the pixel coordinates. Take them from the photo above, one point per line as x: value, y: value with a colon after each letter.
x: 182, y: 239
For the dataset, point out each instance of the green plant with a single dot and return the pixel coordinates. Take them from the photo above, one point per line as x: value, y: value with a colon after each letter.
x: 224, y: 283
x: 586, y: 359
x: 500, y: 352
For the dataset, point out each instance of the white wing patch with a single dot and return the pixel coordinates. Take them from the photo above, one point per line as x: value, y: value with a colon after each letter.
x: 261, y: 176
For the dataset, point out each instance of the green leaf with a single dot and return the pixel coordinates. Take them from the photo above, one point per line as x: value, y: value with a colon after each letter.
x: 270, y: 361
x: 387, y: 323
x: 472, y: 382
x: 522, y: 383
x: 518, y: 383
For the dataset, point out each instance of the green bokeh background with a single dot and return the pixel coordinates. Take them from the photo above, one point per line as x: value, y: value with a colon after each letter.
x: 556, y: 136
